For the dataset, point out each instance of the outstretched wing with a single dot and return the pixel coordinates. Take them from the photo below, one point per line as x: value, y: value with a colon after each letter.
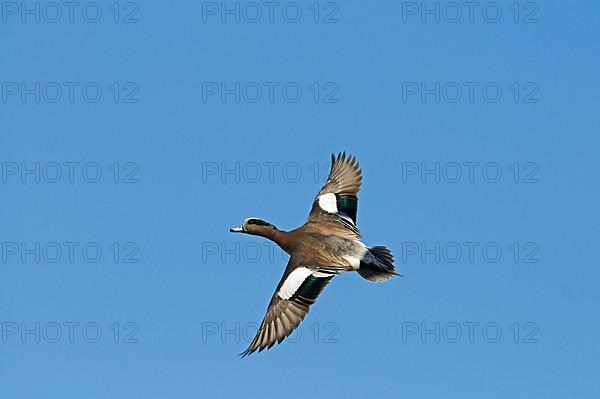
x: 298, y: 289
x: 338, y: 199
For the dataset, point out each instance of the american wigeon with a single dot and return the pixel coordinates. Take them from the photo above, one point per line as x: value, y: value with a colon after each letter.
x: 327, y: 244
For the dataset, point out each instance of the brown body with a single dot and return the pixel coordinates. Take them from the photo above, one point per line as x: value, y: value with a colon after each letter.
x: 313, y: 245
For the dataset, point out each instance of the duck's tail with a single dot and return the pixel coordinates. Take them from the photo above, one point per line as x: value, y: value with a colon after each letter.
x: 377, y: 264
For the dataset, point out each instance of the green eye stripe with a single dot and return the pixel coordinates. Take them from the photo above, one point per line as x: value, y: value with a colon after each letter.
x: 258, y: 222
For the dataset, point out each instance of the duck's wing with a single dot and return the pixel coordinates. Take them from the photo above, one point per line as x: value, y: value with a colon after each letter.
x: 338, y: 199
x: 298, y: 289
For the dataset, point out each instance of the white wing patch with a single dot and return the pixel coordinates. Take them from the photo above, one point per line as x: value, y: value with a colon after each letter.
x: 293, y: 282
x: 328, y: 202
x: 323, y: 274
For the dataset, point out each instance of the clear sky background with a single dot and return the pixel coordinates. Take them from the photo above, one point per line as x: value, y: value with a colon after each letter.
x: 165, y: 311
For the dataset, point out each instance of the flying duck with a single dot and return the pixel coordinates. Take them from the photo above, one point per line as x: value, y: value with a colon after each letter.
x: 323, y: 247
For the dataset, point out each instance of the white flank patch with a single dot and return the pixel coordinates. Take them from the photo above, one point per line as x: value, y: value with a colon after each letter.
x: 359, y: 254
x: 353, y: 261
x: 293, y: 282
x: 328, y: 202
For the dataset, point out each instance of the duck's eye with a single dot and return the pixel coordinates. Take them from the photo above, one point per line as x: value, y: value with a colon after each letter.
x: 258, y: 222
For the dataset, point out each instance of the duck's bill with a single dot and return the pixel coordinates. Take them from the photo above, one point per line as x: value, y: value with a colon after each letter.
x: 236, y: 230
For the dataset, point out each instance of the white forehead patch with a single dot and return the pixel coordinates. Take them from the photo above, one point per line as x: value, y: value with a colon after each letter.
x: 328, y: 202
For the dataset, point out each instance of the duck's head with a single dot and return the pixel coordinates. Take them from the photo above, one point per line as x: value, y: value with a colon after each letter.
x: 256, y: 227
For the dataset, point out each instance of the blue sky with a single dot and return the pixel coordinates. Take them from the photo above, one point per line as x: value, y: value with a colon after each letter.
x: 134, y: 136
